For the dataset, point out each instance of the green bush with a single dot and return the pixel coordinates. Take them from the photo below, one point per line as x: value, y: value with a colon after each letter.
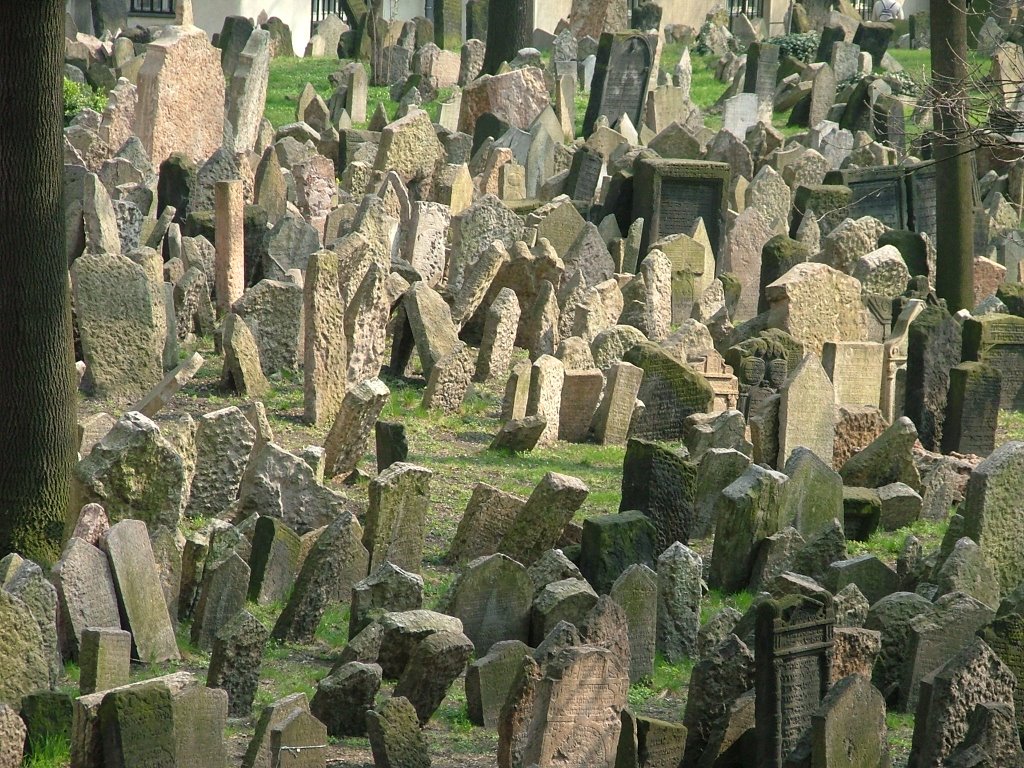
x: 803, y: 46
x: 78, y: 97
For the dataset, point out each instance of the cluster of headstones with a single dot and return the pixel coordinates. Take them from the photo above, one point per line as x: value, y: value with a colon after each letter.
x: 821, y: 306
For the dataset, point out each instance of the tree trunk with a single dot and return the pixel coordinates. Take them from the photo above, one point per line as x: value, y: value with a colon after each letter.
x: 954, y: 178
x: 37, y: 394
x: 509, y: 30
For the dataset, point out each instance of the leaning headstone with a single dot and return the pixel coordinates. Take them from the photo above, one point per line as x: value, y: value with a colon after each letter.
x: 670, y: 390
x: 659, y: 482
x: 138, y: 587
x: 343, y: 698
x: 539, y: 523
x: 619, y: 87
x: 336, y: 562
x: 612, y: 418
x: 749, y: 510
x: 565, y: 728
x: 488, y: 515
x: 86, y: 595
x: 25, y: 666
x: 347, y: 440
x: 489, y: 679
x: 435, y: 664
x: 718, y: 680
x: 299, y: 741
x: 793, y: 660
x: 933, y: 348
x: 258, y: 753
x: 221, y: 597
x: 949, y: 696
x: 611, y: 543
x: 274, y: 560
x: 325, y: 350
x: 998, y: 340
x: 224, y: 440
x: 236, y: 659
x: 396, y: 520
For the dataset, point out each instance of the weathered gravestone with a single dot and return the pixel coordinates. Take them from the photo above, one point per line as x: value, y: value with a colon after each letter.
x: 235, y: 661
x: 139, y: 592
x: 396, y: 520
x: 539, y: 523
x: 670, y: 195
x: 998, y: 340
x: 659, y: 482
x: 972, y: 409
x: 989, y: 511
x: 104, y: 659
x: 86, y: 595
x: 670, y: 390
x: 492, y: 597
x: 619, y: 87
x: 792, y: 662
x: 336, y: 562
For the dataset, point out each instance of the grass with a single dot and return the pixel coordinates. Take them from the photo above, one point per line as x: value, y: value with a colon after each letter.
x: 49, y: 751
x: 887, y: 545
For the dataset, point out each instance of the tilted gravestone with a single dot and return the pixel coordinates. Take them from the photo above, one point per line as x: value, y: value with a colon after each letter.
x: 792, y: 662
x: 619, y: 87
x: 998, y: 340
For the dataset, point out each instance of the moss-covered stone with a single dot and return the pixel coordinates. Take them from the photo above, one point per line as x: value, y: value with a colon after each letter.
x: 778, y: 256
x: 912, y: 248
x: 670, y: 390
x: 612, y: 543
x: 823, y: 199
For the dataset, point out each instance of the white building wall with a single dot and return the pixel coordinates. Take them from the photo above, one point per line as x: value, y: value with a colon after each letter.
x: 210, y: 14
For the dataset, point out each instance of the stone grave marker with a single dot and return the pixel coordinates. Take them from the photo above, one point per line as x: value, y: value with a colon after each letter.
x: 235, y: 661
x: 396, y: 519
x: 972, y: 409
x: 803, y: 420
x: 636, y: 592
x: 104, y: 659
x: 855, y: 369
x: 492, y: 598
x: 139, y: 592
x: 671, y: 195
x: 621, y: 77
x: 998, y: 340
x: 86, y: 596
x: 792, y: 661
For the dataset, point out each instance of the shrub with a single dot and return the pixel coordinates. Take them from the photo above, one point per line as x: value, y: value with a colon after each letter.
x: 78, y: 96
x: 803, y: 46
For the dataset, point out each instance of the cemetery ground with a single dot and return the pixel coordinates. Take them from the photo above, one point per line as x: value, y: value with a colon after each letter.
x: 456, y: 449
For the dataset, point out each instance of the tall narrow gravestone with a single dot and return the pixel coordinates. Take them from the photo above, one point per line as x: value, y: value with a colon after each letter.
x: 619, y: 87
x: 670, y: 195
x: 792, y: 657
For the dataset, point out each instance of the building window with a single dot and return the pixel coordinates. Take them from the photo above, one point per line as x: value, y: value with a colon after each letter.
x: 151, y: 7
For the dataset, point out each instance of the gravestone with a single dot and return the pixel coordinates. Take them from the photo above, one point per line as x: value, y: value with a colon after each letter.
x: 395, y: 736
x: 344, y: 696
x: 335, y: 563
x: 762, y: 69
x: 347, y: 440
x: 805, y: 419
x: 877, y: 192
x: 670, y: 390
x: 489, y: 679
x: 972, y: 409
x: 104, y: 659
x: 139, y: 592
x: 389, y: 588
x: 998, y: 340
x: 488, y: 515
x: 613, y: 415
x: 621, y: 76
x: 235, y: 661
x: 658, y: 481
x: 671, y: 195
x: 224, y: 440
x: 538, y: 524
x: 636, y: 592
x: 432, y: 668
x: 492, y: 597
x: 922, y: 199
x: 298, y: 742
x: 679, y: 598
x: 988, y: 511
x: 396, y: 517
x: 86, y: 596
x: 855, y: 369
x: 792, y: 662
x: 221, y: 596
x: 933, y: 348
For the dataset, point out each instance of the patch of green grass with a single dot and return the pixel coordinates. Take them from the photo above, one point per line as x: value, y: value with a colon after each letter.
x: 716, y: 600
x: 333, y: 628
x: 288, y: 76
x: 265, y: 614
x: 901, y: 729
x: 50, y: 751
x: 886, y: 545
